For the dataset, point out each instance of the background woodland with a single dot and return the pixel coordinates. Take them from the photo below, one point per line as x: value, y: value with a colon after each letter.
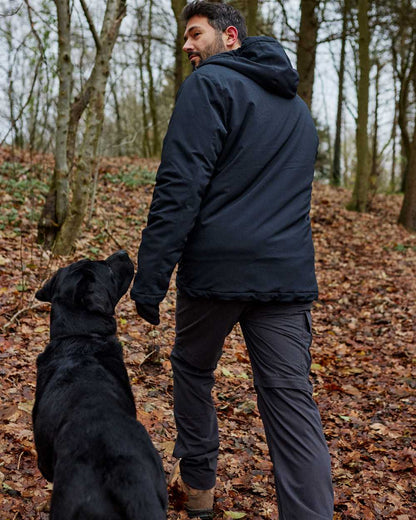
x: 86, y: 93
x: 86, y: 80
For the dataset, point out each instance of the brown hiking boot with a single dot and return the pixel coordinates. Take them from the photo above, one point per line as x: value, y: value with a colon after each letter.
x: 198, y: 503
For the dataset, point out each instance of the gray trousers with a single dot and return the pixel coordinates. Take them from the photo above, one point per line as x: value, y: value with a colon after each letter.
x: 278, y: 337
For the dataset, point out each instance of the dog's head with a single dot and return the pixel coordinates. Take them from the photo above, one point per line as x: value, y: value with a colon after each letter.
x: 95, y: 286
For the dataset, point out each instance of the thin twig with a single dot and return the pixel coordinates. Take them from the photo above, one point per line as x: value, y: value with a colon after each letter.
x: 18, y: 313
x: 150, y: 354
x: 19, y: 461
x: 112, y: 238
x: 286, y: 19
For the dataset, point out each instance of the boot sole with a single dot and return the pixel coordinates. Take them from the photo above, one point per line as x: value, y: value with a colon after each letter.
x: 204, y: 514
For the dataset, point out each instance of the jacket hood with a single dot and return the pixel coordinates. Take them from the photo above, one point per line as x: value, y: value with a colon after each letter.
x: 262, y: 59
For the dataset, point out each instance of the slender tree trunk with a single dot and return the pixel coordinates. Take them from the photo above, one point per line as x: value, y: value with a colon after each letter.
x: 44, y: 144
x: 360, y: 194
x: 78, y: 107
x: 10, y: 83
x: 336, y: 167
x: 156, y: 143
x: 402, y: 119
x: 115, y: 11
x: 394, y: 155
x: 403, y: 46
x: 146, y: 147
x: 182, y: 66
x: 407, y: 215
x: 35, y: 116
x: 408, y: 211
x: 83, y: 172
x: 119, y: 126
x: 252, y: 8
x: 374, y: 156
x: 306, y: 49
x: 56, y: 205
x: 393, y: 138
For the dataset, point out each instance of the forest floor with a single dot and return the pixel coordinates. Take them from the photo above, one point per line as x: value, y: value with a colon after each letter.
x: 363, y: 351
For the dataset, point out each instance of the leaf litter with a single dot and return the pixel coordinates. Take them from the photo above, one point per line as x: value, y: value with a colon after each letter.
x: 363, y: 352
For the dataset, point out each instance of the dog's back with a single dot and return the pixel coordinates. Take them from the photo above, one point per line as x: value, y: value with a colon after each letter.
x: 100, y: 459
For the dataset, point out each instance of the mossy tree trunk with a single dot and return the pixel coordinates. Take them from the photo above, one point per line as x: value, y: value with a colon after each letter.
x: 62, y: 232
x: 56, y: 205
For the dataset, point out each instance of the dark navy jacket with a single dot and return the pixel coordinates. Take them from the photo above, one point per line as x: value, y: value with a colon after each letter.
x: 233, y: 190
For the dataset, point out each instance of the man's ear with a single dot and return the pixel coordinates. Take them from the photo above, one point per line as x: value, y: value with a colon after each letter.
x: 230, y: 38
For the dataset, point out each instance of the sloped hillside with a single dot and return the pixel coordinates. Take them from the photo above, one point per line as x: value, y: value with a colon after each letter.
x: 363, y: 350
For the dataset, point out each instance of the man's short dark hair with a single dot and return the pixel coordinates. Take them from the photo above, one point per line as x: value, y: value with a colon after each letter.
x: 220, y: 16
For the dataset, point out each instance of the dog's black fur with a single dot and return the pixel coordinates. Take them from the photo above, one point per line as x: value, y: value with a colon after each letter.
x: 100, y: 459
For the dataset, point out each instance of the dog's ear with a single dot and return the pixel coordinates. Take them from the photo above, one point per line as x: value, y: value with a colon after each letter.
x: 123, y: 270
x: 45, y: 293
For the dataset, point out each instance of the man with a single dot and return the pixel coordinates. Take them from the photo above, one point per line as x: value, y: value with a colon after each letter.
x: 231, y: 207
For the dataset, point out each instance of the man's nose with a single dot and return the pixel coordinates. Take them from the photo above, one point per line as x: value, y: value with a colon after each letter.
x: 187, y: 46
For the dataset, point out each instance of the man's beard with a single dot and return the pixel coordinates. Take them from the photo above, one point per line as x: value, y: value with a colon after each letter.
x: 216, y: 47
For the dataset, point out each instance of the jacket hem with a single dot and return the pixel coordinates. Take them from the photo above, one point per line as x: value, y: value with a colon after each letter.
x: 285, y: 297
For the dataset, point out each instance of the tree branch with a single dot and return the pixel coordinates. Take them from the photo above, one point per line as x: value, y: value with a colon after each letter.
x: 91, y: 25
x: 286, y: 18
x: 18, y: 313
x: 32, y: 25
x: 10, y: 12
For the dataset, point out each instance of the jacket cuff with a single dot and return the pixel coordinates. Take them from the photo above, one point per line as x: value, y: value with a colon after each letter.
x: 146, y: 298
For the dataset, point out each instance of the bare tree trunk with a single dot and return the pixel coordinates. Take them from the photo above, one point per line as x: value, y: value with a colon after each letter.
x: 402, y: 120
x: 336, y: 167
x: 67, y: 234
x: 56, y: 205
x: 393, y: 138
x: 408, y: 211
x: 83, y: 172
x: 306, y: 49
x: 10, y: 88
x: 78, y: 107
x: 360, y: 194
x: 252, y: 8
x: 407, y: 217
x: 156, y: 142
x: 146, y: 148
x: 374, y: 175
x: 119, y: 126
x: 403, y: 47
x: 34, y: 117
x: 182, y: 67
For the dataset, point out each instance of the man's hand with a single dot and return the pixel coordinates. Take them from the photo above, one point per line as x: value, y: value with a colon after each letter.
x: 149, y: 312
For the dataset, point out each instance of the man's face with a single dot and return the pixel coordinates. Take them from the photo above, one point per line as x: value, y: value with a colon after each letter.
x: 202, y: 40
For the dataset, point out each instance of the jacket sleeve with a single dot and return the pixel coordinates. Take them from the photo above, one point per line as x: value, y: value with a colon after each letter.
x: 191, y: 147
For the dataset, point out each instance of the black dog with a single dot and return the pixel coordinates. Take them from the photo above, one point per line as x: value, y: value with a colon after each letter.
x: 100, y: 459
